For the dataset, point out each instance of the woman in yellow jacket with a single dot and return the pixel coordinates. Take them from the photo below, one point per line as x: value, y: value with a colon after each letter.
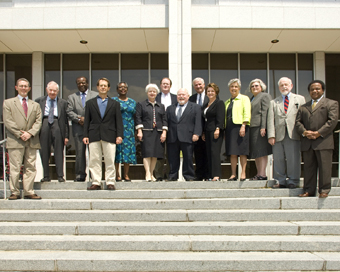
x: 237, y: 128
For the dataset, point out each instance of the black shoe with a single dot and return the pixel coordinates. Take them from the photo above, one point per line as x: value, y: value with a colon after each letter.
x: 242, y: 179
x: 61, y: 179
x: 291, y: 186
x: 232, y: 179
x: 159, y: 179
x: 45, y: 180
x: 79, y: 180
x: 198, y: 179
x: 172, y: 179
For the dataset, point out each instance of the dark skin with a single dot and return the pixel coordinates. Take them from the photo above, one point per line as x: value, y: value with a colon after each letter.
x: 315, y: 92
x: 82, y: 85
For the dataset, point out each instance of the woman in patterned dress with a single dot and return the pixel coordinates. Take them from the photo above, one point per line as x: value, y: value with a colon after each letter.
x: 126, y: 151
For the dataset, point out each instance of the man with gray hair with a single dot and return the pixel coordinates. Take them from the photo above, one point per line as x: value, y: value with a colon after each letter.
x: 283, y: 136
x: 184, y: 128
x: 54, y: 130
x: 199, y: 147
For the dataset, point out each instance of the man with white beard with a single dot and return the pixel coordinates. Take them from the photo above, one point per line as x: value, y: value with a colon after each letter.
x: 283, y: 137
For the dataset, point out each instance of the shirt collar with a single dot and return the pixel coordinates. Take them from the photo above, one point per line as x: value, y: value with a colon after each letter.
x: 284, y: 96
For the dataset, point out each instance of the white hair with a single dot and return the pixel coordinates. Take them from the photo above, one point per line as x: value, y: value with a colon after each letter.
x: 231, y: 81
x: 196, y: 79
x: 151, y: 86
x: 52, y: 82
x: 278, y: 83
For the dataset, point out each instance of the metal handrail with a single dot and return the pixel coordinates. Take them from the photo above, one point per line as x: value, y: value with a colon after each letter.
x: 4, y: 165
x: 338, y: 131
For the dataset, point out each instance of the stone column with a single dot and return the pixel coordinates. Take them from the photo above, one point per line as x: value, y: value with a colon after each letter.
x: 319, y: 66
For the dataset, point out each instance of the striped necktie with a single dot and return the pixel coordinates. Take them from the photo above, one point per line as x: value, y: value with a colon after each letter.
x: 286, y: 103
x: 24, y: 105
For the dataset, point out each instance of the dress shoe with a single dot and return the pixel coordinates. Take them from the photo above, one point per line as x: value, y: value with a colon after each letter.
x: 93, y: 187
x: 61, y: 179
x: 172, y: 179
x: 189, y: 180
x: 255, y: 177
x: 118, y: 179
x: 198, y: 179
x: 323, y: 195
x: 128, y: 179
x: 232, y: 179
x: 14, y: 197
x: 279, y: 186
x: 159, y: 179
x: 79, y: 180
x: 291, y: 186
x: 242, y: 179
x: 45, y: 180
x: 34, y: 196
x: 305, y: 194
x: 110, y: 187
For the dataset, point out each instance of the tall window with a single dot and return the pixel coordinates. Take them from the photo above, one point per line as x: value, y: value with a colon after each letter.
x: 200, y: 67
x: 281, y: 65
x: 105, y: 65
x: 159, y: 67
x: 223, y: 67
x: 305, y: 73
x: 252, y: 66
x: 52, y: 68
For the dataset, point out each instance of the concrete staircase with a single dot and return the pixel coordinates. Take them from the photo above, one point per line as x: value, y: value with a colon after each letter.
x: 171, y: 226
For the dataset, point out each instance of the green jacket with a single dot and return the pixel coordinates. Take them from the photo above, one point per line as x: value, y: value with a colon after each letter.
x: 241, y: 109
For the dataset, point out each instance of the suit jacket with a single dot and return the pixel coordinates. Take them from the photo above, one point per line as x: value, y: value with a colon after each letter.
x: 173, y: 98
x: 214, y: 116
x: 259, y: 110
x: 323, y: 118
x: 106, y: 129
x: 144, y: 116
x: 241, y: 109
x: 75, y: 110
x: 188, y: 125
x: 62, y: 116
x: 278, y: 120
x: 15, y: 120
x: 193, y: 99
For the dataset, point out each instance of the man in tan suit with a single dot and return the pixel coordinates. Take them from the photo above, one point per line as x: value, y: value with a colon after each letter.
x: 22, y: 119
x: 283, y: 137
x: 315, y: 122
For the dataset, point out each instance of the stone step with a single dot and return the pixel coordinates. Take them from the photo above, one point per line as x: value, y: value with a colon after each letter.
x: 200, y: 243
x: 274, y: 203
x: 171, y: 228
x: 170, y: 215
x: 180, y: 261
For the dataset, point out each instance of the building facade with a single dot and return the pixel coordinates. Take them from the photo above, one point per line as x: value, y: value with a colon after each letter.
x: 141, y: 41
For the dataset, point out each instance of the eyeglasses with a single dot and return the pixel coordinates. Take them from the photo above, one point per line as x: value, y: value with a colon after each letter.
x: 253, y: 86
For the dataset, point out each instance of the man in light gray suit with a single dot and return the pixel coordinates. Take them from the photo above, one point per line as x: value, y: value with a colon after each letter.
x: 76, y: 113
x: 283, y: 137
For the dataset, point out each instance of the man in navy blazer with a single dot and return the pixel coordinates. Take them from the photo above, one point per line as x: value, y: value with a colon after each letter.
x: 54, y: 130
x: 184, y: 128
x: 103, y: 129
x: 200, y: 152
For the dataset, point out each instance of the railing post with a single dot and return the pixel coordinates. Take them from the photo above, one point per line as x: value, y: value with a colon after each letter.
x: 3, y: 143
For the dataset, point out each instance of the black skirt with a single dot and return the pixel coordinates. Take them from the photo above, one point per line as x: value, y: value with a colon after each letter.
x: 234, y: 143
x: 152, y: 145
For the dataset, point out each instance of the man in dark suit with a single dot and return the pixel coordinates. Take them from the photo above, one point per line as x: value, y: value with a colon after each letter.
x: 315, y: 121
x: 167, y: 99
x: 200, y: 152
x: 184, y: 128
x: 22, y: 119
x: 103, y: 129
x: 76, y: 113
x: 54, y: 130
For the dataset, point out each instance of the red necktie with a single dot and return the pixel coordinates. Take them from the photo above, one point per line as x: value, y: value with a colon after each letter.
x: 24, y: 105
x: 286, y: 103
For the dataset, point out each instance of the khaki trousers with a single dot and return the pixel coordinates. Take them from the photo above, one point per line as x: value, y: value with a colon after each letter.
x: 97, y: 149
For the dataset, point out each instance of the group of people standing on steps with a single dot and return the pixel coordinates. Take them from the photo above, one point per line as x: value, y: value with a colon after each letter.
x: 166, y: 125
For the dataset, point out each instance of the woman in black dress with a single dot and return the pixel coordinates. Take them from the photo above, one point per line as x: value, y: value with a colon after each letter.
x: 152, y: 126
x: 259, y: 146
x: 237, y: 128
x: 213, y: 114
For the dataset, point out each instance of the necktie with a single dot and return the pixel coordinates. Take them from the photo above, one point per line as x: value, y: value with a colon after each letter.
x: 286, y: 103
x: 83, y: 98
x: 179, y: 112
x: 24, y: 105
x: 51, y: 113
x: 314, y: 104
x: 154, y: 124
x: 200, y: 100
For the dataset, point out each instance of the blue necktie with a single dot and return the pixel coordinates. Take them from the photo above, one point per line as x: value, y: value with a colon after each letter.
x: 200, y: 100
x: 83, y: 98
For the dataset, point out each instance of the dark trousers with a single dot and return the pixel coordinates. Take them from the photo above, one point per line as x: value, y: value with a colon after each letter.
x: 213, y: 147
x: 201, y: 160
x: 174, y: 160
x: 50, y: 134
x: 315, y: 160
x: 80, y: 157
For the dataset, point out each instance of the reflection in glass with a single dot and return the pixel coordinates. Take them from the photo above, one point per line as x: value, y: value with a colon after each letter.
x: 135, y: 73
x: 252, y: 66
x: 74, y: 65
x: 159, y: 68
x: 17, y: 66
x: 200, y: 68
x: 281, y: 65
x: 223, y: 67
x: 52, y: 68
x: 105, y: 65
x: 305, y: 73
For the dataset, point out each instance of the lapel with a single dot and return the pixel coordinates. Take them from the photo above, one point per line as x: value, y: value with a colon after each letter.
x: 279, y: 104
x: 109, y: 105
x: 291, y: 103
x: 186, y: 111
x: 59, y: 107
x: 309, y: 106
x: 256, y: 99
x: 211, y: 106
x: 95, y: 102
x: 319, y: 104
x: 79, y: 99
x: 21, y: 109
x: 30, y: 108
x: 42, y: 105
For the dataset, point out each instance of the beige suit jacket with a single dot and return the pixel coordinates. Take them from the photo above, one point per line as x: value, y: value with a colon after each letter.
x: 278, y: 120
x: 15, y: 120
